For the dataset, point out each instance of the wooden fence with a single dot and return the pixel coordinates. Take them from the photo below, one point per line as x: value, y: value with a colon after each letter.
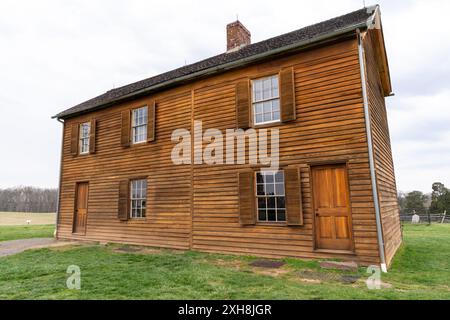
x: 426, y: 218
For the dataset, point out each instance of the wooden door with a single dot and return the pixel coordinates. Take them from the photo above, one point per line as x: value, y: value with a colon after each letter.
x: 81, y: 206
x: 333, y: 229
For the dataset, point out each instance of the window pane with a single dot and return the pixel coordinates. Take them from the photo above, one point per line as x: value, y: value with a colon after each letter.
x: 259, y: 178
x: 267, y: 107
x: 281, y: 215
x: 257, y: 90
x: 271, y: 203
x: 276, y: 105
x: 133, y: 191
x: 261, y: 203
x: 279, y: 189
x: 144, y: 132
x: 262, y: 215
x: 135, y: 117
x: 267, y: 88
x: 270, y: 189
x: 271, y: 215
x: 144, y: 186
x: 259, y: 118
x: 275, y: 86
x: 281, y: 204
x: 260, y: 190
x: 276, y: 116
x: 267, y: 117
x: 144, y: 114
x: 269, y: 177
x: 84, y: 130
x: 258, y: 108
x: 279, y: 176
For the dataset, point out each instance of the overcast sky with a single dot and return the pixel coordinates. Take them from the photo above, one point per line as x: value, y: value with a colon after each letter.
x: 56, y: 54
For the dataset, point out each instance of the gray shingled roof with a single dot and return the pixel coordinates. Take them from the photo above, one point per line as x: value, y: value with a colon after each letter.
x: 307, y: 35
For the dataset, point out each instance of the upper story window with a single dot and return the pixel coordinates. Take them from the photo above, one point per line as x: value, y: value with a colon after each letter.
x: 138, y: 198
x: 266, y: 100
x: 85, y: 133
x: 139, y: 125
x: 270, y: 196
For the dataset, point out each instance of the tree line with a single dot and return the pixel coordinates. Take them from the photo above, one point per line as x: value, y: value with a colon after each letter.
x: 437, y: 201
x: 28, y: 199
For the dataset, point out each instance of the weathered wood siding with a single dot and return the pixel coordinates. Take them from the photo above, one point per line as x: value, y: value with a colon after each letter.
x: 384, y: 165
x: 168, y: 223
x: 196, y: 206
x: 329, y: 127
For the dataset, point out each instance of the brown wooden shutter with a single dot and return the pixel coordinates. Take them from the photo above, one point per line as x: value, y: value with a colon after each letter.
x: 294, y: 208
x: 92, y: 136
x: 242, y: 105
x: 151, y: 117
x: 74, y: 139
x: 124, y: 193
x: 126, y: 128
x: 247, y: 214
x: 287, y: 95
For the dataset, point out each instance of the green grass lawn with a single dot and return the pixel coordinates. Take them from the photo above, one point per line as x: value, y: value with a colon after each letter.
x: 26, y: 232
x: 420, y: 271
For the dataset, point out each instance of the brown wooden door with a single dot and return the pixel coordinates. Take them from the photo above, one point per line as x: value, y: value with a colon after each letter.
x: 332, y: 208
x: 81, y: 206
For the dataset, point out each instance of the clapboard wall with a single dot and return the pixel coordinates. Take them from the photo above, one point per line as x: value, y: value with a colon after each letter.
x: 384, y: 165
x: 196, y: 206
x: 169, y: 186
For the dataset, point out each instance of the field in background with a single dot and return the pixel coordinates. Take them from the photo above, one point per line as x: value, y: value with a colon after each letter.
x: 20, y: 218
x: 421, y: 270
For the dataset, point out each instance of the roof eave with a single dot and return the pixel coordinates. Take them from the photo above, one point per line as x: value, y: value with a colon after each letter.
x: 226, y: 66
x: 374, y: 24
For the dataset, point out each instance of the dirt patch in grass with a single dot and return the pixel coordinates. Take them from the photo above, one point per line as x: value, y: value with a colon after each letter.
x: 269, y: 264
x: 319, y: 277
x: 234, y: 264
x: 137, y: 250
x: 271, y: 272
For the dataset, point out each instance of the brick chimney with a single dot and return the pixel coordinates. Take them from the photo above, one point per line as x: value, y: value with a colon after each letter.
x: 237, y: 36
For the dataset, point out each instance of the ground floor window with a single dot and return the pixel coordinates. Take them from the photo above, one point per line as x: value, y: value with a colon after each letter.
x: 138, y: 198
x: 270, y: 196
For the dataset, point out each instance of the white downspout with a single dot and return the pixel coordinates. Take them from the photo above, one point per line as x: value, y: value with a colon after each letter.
x: 371, y: 156
x: 58, y: 200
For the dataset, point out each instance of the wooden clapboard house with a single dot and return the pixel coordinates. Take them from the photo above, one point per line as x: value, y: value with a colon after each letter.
x: 323, y: 87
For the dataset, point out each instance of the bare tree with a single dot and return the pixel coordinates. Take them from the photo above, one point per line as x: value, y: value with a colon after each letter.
x: 28, y: 199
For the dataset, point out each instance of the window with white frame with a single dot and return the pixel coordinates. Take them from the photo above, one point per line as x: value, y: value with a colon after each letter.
x: 139, y: 125
x: 138, y: 198
x: 270, y: 196
x: 266, y: 100
x: 85, y: 133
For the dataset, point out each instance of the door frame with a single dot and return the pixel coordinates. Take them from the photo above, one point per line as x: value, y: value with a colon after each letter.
x: 75, y: 206
x: 343, y: 163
